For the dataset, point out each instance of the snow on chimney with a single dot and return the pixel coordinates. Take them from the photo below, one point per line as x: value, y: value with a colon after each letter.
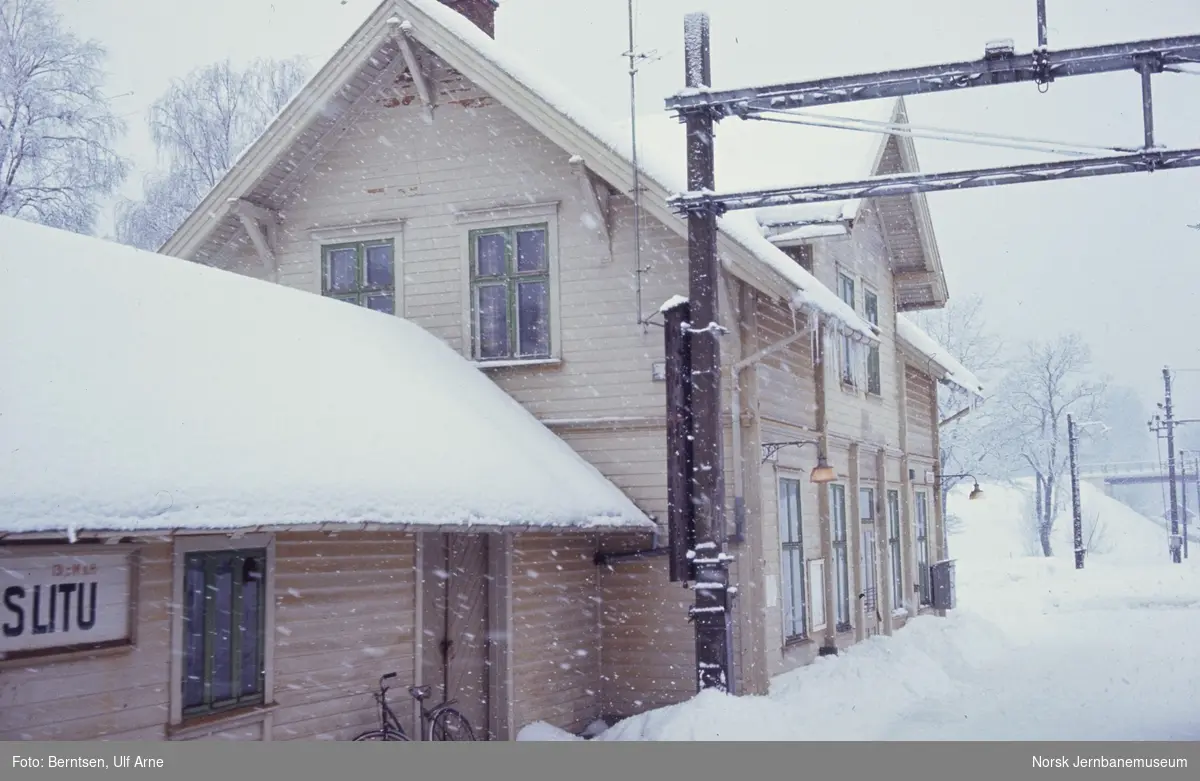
x: 482, y: 13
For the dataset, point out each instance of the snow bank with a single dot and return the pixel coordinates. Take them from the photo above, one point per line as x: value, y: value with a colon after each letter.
x: 856, y: 695
x: 149, y: 393
x: 541, y: 731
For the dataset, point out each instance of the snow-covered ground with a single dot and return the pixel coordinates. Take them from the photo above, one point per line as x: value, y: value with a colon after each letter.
x: 1036, y: 650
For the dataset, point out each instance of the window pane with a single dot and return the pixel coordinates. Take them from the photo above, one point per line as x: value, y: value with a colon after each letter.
x: 489, y: 254
x: 379, y: 265
x: 533, y: 300
x: 871, y: 305
x: 221, y: 590
x: 784, y: 522
x: 847, y: 289
x: 788, y: 608
x: 381, y: 302
x: 866, y: 504
x: 250, y: 626
x: 491, y: 305
x: 873, y: 374
x: 797, y: 565
x: 531, y: 250
x: 342, y: 270
x: 193, y: 632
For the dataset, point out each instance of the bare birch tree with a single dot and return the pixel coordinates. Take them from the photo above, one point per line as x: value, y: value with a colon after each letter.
x: 961, y: 327
x: 57, y: 130
x: 1048, y: 381
x: 200, y: 126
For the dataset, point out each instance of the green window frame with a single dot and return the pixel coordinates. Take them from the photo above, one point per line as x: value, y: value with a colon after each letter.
x: 846, y: 293
x: 224, y: 627
x: 923, y: 554
x: 792, y: 565
x: 373, y: 282
x: 841, y: 557
x: 511, y: 293
x: 894, y: 549
x: 874, y: 375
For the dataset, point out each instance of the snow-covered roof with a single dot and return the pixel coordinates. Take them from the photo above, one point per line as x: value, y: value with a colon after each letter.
x: 146, y: 393
x: 567, y: 118
x: 952, y: 369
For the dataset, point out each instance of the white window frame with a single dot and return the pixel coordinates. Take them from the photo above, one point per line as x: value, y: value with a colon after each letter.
x: 181, y: 547
x: 922, y: 546
x: 511, y: 217
x: 320, y: 238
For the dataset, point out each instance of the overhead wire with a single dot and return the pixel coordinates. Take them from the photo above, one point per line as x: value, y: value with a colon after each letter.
x: 975, y: 137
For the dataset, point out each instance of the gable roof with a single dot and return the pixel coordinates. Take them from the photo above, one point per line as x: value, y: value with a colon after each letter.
x: 154, y: 394
x: 326, y: 106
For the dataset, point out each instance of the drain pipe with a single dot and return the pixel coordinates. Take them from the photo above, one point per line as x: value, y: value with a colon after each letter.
x: 739, y: 469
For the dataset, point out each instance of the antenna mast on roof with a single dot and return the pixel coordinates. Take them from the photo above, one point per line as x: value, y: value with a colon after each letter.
x: 636, y: 57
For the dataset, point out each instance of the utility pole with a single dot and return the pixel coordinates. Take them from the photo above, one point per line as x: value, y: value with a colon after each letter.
x: 1076, y: 512
x: 710, y: 562
x: 1183, y: 500
x: 1170, y: 425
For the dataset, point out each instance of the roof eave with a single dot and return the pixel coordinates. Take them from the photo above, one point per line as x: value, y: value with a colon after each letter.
x: 93, y: 535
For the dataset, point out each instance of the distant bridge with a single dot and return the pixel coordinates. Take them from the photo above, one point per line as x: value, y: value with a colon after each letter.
x: 1132, y: 472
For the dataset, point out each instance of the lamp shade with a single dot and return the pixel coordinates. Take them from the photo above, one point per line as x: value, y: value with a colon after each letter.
x: 823, y: 473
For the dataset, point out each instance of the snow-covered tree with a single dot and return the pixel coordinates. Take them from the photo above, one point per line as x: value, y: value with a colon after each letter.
x: 961, y: 327
x: 199, y: 127
x: 57, y: 130
x: 1047, y: 381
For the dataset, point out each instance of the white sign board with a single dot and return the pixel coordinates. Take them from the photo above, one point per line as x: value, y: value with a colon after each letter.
x: 929, y: 476
x: 54, y: 600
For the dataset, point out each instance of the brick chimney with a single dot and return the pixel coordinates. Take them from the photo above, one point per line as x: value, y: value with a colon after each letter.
x: 482, y: 13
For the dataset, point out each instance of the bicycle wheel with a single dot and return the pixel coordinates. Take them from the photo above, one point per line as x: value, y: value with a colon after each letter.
x: 381, y: 734
x: 449, y: 724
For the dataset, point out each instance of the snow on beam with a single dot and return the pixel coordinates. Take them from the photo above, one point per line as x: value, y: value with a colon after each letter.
x: 404, y: 41
x: 596, y: 197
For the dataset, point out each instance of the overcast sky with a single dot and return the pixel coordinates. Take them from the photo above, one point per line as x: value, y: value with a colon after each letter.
x: 1110, y: 257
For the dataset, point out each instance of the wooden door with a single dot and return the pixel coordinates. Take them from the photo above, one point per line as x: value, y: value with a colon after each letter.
x: 456, y: 624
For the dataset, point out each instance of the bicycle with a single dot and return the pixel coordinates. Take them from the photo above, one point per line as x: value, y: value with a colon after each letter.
x: 441, y: 722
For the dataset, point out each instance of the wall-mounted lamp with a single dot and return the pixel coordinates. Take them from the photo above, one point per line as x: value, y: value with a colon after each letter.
x: 976, y: 492
x: 822, y: 473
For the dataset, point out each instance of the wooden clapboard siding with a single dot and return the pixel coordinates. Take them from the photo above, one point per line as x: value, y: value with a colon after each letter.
x: 864, y: 256
x: 649, y: 647
x: 920, y: 390
x: 556, y: 642
x: 785, y: 379
x: 344, y: 615
x: 394, y: 165
x: 106, y: 696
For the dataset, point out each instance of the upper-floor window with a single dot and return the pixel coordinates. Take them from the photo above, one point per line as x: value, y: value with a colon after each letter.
x: 802, y: 254
x: 510, y: 293
x: 871, y: 311
x: 846, y: 293
x: 361, y: 272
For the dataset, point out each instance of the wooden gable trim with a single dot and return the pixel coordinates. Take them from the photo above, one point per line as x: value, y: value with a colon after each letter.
x: 597, y: 201
x: 420, y: 78
x: 291, y: 123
